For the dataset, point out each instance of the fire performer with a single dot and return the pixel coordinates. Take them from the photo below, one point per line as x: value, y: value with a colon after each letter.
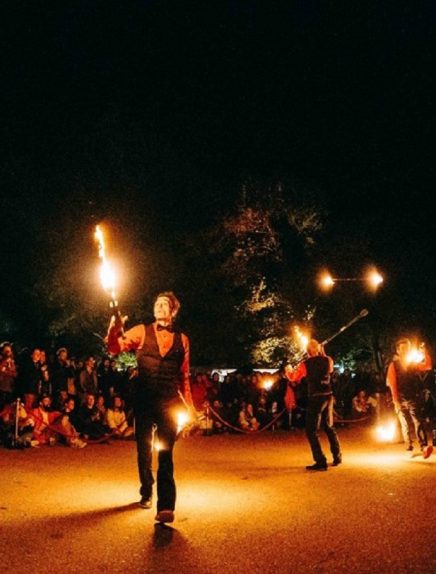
x: 405, y: 378
x: 317, y: 369
x: 162, y: 388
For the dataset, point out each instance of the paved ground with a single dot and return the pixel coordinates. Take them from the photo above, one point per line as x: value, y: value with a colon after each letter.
x: 245, y: 504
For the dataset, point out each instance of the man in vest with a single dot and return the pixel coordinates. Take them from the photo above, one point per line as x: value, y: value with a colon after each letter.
x: 162, y: 353
x: 405, y: 378
x: 317, y: 369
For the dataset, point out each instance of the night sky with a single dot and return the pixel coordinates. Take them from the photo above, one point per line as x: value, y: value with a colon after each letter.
x: 182, y: 101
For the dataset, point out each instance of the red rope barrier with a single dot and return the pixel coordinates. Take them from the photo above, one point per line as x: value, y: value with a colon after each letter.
x: 227, y: 424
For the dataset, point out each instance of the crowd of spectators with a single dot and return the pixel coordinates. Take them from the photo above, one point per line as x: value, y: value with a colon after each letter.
x: 76, y: 402
x: 62, y: 400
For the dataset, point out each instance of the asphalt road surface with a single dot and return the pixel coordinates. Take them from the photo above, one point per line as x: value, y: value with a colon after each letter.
x: 245, y: 504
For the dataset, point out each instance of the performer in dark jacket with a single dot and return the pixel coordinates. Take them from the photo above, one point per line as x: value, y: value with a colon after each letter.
x: 317, y: 370
x: 163, y: 379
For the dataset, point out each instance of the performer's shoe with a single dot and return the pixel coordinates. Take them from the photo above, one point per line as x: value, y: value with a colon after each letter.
x: 164, y: 516
x: 426, y: 451
x: 409, y: 447
x: 145, y: 502
x: 317, y: 466
x: 337, y: 461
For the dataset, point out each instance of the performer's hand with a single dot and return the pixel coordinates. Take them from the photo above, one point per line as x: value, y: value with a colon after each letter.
x: 117, y: 322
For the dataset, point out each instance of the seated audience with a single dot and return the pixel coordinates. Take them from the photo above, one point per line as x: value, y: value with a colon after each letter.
x: 89, y: 420
x: 45, y: 419
x: 116, y: 419
x: 247, y: 420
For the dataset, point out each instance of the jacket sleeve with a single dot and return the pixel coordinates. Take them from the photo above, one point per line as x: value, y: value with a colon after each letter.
x: 130, y: 341
x: 295, y: 375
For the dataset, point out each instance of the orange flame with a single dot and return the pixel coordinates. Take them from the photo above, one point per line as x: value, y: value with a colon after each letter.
x: 302, y: 339
x: 415, y: 356
x: 182, y: 420
x: 107, y: 274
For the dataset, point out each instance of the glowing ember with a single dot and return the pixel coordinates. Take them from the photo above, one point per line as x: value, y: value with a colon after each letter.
x: 107, y: 274
x: 386, y: 432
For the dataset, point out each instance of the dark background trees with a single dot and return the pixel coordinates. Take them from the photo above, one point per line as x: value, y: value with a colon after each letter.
x: 153, y: 117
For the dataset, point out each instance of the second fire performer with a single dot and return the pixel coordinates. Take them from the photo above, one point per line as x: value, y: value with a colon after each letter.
x: 317, y: 369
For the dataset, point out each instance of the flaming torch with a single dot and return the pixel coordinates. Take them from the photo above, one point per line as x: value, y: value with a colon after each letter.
x: 302, y: 339
x: 416, y: 355
x: 182, y: 421
x: 386, y: 432
x: 107, y: 273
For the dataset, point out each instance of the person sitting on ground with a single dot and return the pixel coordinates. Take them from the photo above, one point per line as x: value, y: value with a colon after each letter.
x: 100, y: 403
x: 69, y: 434
x: 45, y: 421
x: 89, y: 421
x: 247, y: 420
x: 262, y: 414
x: 16, y: 426
x: 362, y: 404
x: 116, y: 419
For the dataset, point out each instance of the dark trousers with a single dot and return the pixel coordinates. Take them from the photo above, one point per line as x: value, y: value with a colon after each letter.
x: 319, y: 413
x: 410, y: 416
x: 162, y: 415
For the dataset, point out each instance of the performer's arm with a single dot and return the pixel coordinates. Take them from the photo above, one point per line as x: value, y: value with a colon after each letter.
x: 129, y: 341
x: 295, y: 375
x: 184, y: 373
x: 391, y: 381
x: 426, y: 365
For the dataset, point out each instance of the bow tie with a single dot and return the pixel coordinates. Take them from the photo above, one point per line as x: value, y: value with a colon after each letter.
x: 168, y: 328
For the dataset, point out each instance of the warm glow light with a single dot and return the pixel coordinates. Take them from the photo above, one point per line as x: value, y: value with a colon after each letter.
x: 182, y: 420
x: 374, y: 278
x: 415, y: 356
x: 386, y: 432
x: 107, y: 274
x: 267, y: 384
x: 326, y: 281
x: 157, y: 446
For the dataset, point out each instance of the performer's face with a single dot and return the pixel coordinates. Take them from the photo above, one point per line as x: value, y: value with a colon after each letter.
x: 162, y: 309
